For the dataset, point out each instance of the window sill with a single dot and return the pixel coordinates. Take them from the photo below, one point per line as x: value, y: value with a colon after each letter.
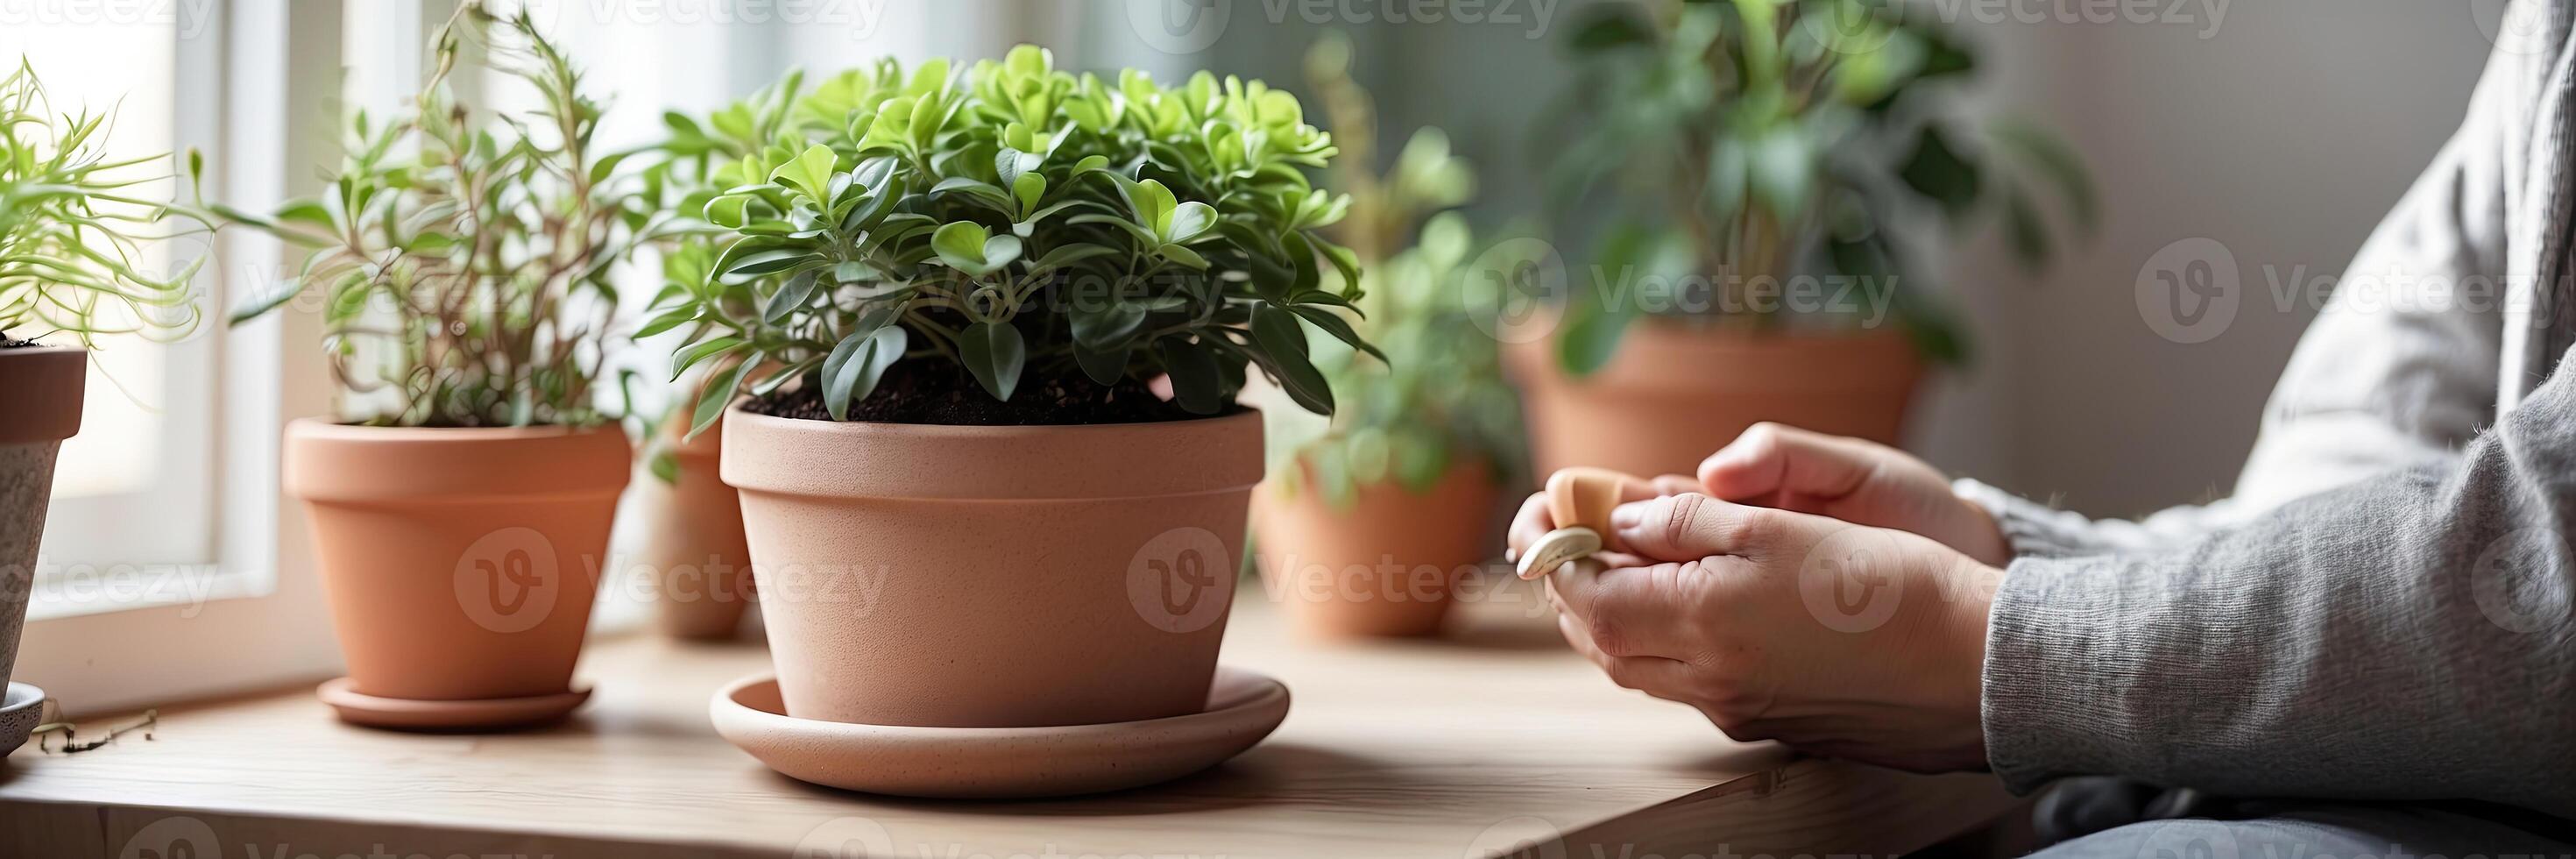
x: 186, y: 587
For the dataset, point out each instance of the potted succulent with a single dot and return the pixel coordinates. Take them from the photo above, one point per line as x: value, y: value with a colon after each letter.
x: 74, y: 237
x: 1755, y: 162
x: 944, y: 298
x: 462, y: 270
x: 1366, y: 521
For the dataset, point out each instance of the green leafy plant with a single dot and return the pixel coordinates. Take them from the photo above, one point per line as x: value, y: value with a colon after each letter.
x: 462, y: 269
x: 1750, y: 139
x: 1440, y: 397
x: 1019, y: 222
x: 74, y: 231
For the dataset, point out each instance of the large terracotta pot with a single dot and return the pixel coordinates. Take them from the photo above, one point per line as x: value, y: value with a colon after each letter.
x: 1673, y: 395
x: 694, y: 543
x: 40, y: 405
x: 461, y: 564
x: 967, y: 576
x: 1385, y: 565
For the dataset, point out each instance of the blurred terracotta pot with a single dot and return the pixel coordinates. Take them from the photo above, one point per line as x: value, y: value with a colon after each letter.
x: 1002, y: 576
x: 1384, y: 566
x: 694, y: 543
x: 1673, y: 395
x: 40, y: 405
x: 461, y: 564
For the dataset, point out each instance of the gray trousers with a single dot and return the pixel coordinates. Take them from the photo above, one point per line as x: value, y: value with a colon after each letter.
x: 2183, y: 825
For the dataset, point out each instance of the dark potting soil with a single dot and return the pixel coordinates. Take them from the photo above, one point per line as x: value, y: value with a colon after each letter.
x: 940, y: 392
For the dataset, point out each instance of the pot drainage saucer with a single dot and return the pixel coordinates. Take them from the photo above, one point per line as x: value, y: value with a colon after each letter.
x: 358, y: 708
x: 23, y: 707
x: 997, y: 763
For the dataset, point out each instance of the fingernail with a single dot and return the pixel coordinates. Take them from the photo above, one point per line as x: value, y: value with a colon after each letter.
x: 1627, y: 515
x: 1511, y: 555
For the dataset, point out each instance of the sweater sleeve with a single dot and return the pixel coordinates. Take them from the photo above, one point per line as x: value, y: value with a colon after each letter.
x: 2408, y: 637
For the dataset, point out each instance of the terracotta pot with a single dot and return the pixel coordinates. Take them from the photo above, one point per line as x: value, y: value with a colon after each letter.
x: 964, y: 576
x: 40, y: 405
x: 694, y: 543
x: 1673, y: 395
x: 461, y: 564
x: 1384, y: 566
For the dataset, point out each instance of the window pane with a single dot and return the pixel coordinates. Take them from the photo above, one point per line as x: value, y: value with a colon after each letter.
x: 93, y: 59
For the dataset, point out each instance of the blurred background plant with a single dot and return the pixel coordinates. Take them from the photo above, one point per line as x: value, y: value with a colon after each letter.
x: 74, y: 227
x: 463, y: 266
x: 1746, y: 139
x: 1439, y: 397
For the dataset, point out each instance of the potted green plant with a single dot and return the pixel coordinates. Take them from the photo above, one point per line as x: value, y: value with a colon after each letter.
x: 1754, y: 165
x: 462, y: 270
x: 75, y: 234
x: 1367, y: 520
x: 945, y: 298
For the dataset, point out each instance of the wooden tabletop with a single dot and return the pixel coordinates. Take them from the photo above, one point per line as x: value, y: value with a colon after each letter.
x: 1466, y: 746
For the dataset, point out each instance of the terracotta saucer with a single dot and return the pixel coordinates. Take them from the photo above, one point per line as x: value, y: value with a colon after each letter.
x: 358, y: 708
x: 23, y: 707
x: 998, y: 763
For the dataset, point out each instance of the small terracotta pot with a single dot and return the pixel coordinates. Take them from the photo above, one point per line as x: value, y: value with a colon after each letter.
x: 1673, y: 395
x: 1004, y: 576
x: 40, y: 405
x: 461, y: 564
x: 1384, y: 566
x: 694, y: 543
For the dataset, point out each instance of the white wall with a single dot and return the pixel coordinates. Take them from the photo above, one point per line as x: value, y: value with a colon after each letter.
x: 2285, y: 135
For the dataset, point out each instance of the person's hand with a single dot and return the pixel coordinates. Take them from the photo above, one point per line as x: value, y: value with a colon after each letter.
x: 1854, y: 480
x: 1844, y: 640
x: 1535, y: 518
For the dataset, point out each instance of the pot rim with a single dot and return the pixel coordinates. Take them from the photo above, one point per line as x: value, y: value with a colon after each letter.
x: 325, y: 428
x: 1040, y: 462
x: 1675, y: 361
x: 330, y: 461
x: 41, y: 387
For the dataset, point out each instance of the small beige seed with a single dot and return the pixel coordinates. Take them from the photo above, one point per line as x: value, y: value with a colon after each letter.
x: 1557, y: 548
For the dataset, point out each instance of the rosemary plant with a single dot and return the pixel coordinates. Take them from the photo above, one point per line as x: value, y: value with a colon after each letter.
x: 462, y: 267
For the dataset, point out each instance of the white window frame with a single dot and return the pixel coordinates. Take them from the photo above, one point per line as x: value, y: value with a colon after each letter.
x: 258, y: 618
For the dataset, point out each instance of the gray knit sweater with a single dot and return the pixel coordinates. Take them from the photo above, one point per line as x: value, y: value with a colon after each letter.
x: 2386, y: 609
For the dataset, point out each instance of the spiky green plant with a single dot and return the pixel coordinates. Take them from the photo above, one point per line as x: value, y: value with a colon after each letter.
x: 76, y: 231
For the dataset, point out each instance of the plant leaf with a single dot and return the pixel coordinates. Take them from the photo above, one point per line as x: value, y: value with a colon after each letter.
x: 1105, y: 322
x: 1590, y: 337
x: 961, y: 246
x: 994, y: 353
x: 1196, y: 383
x: 1283, y: 343
x: 1153, y: 204
x: 718, y: 394
x: 1188, y: 221
x: 791, y: 295
x: 857, y: 363
x: 1936, y: 170
x: 1333, y: 324
x: 810, y: 172
x: 1105, y: 365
